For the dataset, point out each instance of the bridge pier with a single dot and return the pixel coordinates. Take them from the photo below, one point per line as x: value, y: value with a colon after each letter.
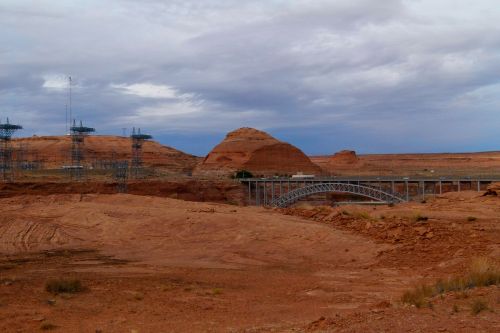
x: 407, y: 190
x: 272, y: 191
x: 423, y: 190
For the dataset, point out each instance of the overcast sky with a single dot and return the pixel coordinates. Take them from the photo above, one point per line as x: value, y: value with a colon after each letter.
x: 370, y: 75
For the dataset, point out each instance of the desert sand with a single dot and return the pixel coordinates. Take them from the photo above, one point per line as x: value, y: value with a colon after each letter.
x: 181, y: 253
x: 153, y: 264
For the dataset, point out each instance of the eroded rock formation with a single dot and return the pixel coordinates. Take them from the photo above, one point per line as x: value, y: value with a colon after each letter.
x: 258, y: 152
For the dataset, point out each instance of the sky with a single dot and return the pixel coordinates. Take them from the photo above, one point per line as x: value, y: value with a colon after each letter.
x: 375, y: 76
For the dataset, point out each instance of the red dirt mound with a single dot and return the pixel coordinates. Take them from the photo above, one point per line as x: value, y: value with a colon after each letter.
x: 258, y: 152
x: 54, y: 151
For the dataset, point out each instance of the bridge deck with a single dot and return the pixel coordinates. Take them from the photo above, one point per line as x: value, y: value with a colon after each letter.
x: 264, y: 191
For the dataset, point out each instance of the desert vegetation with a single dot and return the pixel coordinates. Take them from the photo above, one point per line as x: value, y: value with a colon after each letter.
x: 64, y: 285
x: 482, y: 272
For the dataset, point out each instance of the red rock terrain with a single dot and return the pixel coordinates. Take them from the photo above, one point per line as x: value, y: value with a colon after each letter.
x: 258, y: 152
x: 54, y: 151
x: 466, y: 164
x: 150, y: 264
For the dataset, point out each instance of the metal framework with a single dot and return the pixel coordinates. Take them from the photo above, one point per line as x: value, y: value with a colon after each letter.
x: 263, y: 191
x: 120, y: 175
x: 78, y: 134
x: 365, y: 191
x: 138, y: 139
x: 6, y: 165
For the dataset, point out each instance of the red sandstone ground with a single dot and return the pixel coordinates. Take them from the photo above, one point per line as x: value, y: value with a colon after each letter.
x: 161, y: 265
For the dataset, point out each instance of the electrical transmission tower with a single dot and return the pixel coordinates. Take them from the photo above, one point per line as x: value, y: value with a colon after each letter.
x: 120, y: 174
x: 6, y: 165
x: 78, y: 134
x: 137, y: 141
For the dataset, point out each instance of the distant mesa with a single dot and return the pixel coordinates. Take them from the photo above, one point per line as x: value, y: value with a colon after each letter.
x: 53, y: 151
x: 344, y: 157
x: 258, y: 152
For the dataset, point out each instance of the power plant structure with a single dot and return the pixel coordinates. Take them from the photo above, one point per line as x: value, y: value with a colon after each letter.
x: 6, y: 166
x: 78, y: 134
x: 138, y: 139
x: 120, y: 175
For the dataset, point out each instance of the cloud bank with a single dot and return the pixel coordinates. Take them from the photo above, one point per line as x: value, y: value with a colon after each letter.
x: 375, y: 76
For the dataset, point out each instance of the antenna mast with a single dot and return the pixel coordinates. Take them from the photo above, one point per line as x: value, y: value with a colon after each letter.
x: 70, y: 106
x: 66, y: 123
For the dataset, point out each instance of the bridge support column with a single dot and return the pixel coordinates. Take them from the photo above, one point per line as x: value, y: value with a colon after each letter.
x: 440, y: 187
x: 249, y: 193
x: 257, y: 203
x: 265, y: 193
x: 459, y: 185
x: 423, y: 190
x: 272, y: 191
x: 478, y: 185
x: 407, y: 191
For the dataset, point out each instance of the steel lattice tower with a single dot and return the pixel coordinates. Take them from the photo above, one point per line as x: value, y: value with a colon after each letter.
x: 137, y: 141
x: 78, y: 134
x: 6, y: 132
x: 120, y: 174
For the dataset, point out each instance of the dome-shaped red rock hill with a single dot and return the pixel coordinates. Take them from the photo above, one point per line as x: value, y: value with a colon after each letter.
x: 54, y: 151
x: 258, y: 152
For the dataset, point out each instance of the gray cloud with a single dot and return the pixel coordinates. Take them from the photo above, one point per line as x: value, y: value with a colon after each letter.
x: 370, y: 70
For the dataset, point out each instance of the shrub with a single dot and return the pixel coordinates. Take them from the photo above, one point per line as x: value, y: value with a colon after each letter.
x: 363, y: 215
x: 418, y: 295
x: 482, y: 272
x: 47, y: 326
x: 243, y: 174
x: 471, y: 218
x: 478, y: 305
x: 420, y: 218
x: 64, y: 286
x: 216, y: 291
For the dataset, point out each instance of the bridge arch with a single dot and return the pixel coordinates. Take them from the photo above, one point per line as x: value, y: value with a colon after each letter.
x: 291, y: 197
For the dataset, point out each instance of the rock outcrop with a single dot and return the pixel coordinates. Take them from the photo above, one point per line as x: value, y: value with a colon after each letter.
x: 344, y: 157
x: 493, y: 189
x: 54, y: 151
x: 258, y: 152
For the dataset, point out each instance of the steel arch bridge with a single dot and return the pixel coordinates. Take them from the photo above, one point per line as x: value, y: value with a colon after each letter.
x: 373, y: 193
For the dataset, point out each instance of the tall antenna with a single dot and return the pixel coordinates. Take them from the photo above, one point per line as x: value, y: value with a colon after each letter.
x: 66, y: 122
x: 70, y: 106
